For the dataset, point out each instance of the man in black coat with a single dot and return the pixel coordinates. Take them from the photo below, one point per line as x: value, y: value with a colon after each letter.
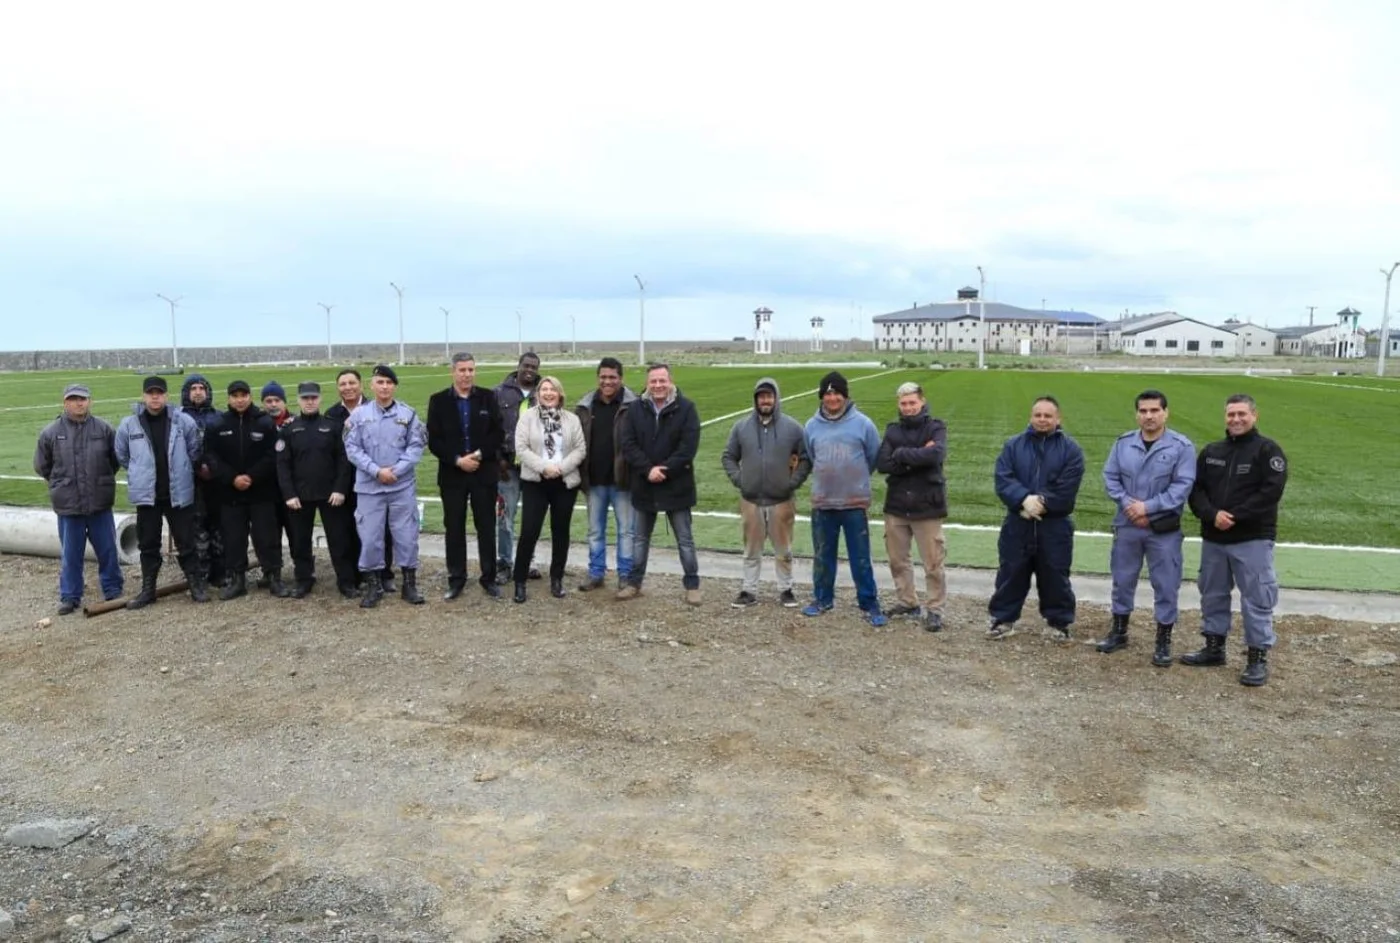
x: 242, y: 452
x: 465, y: 433
x: 660, y: 436
x: 314, y: 475
x: 916, y: 502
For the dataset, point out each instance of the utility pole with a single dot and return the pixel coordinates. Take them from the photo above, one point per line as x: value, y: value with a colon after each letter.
x: 174, y: 346
x: 519, y: 335
x: 400, y: 293
x: 1385, y: 321
x: 981, y: 319
x: 1311, y: 309
x: 446, y: 334
x: 573, y: 343
x: 642, y: 320
x: 329, y: 357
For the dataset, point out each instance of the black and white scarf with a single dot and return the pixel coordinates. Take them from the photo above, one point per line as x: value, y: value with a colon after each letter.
x: 551, y: 418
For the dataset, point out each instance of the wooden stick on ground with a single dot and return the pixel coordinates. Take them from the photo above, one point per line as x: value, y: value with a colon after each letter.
x: 112, y: 605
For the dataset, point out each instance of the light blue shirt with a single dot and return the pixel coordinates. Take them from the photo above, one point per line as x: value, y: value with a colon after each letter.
x: 1161, y: 477
x: 384, y: 437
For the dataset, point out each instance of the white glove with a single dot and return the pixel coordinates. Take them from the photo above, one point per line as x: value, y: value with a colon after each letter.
x: 1033, y: 507
x: 1025, y: 515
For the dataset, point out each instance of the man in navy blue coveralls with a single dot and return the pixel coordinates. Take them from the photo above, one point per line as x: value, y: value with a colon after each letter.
x: 1037, y: 478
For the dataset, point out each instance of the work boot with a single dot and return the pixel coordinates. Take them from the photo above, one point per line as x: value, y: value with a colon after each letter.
x: 556, y: 588
x: 373, y: 591
x: 519, y: 591
x: 502, y: 572
x: 1212, y: 654
x: 1116, y: 638
x: 348, y: 590
x: 199, y: 588
x: 303, y: 588
x: 1162, y: 653
x: 410, y: 593
x: 1256, y: 672
x: 275, y: 586
x: 147, y: 595
x: 386, y: 580
x: 236, y: 586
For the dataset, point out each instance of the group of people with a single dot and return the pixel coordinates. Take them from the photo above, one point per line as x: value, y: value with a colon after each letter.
x: 217, y: 478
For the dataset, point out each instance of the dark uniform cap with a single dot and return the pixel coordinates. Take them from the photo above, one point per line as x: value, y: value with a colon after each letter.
x: 239, y: 386
x: 154, y: 383
x: 308, y: 388
x: 387, y: 372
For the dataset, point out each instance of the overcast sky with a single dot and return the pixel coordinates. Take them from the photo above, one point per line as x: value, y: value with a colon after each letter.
x: 1222, y: 158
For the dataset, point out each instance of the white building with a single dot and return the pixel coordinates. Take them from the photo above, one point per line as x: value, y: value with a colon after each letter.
x: 1343, y: 340
x: 955, y: 326
x: 1251, y: 339
x: 1170, y: 335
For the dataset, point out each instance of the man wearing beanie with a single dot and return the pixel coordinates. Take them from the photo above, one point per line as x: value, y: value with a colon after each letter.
x: 385, y: 441
x: 158, y: 445
x: 242, y: 451
x: 843, y: 444
x: 274, y: 404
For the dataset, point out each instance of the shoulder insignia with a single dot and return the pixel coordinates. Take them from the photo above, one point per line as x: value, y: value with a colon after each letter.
x: 1277, y: 463
x: 281, y: 445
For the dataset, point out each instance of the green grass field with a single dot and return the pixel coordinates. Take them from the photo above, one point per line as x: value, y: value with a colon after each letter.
x: 1337, y: 431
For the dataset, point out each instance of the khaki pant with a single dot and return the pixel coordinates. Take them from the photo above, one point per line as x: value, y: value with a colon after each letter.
x: 899, y: 533
x: 774, y: 523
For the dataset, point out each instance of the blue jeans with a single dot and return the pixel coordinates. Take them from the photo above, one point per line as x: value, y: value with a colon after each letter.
x: 509, y: 492
x: 827, y: 527
x: 599, y: 498
x: 645, y: 523
x: 74, y: 532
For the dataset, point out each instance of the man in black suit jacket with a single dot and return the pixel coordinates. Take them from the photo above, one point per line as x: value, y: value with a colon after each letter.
x: 464, y: 432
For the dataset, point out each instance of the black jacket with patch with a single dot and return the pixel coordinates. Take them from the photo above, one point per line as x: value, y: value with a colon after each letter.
x: 1245, y: 476
x: 311, y: 462
x: 243, y: 444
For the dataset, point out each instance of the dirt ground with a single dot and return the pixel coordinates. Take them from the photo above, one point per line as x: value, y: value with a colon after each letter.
x: 593, y: 770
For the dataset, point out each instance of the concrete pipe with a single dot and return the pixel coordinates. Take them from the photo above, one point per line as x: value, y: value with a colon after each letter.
x: 34, y: 531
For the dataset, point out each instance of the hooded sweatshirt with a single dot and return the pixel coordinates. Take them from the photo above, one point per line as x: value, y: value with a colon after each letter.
x: 843, y: 451
x: 204, y: 414
x: 767, y: 461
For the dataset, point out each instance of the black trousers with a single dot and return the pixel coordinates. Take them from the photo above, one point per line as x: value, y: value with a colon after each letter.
x: 148, y: 535
x: 537, y: 497
x: 259, y: 517
x: 337, y: 542
x: 208, y: 531
x: 477, y: 491
x: 346, y: 525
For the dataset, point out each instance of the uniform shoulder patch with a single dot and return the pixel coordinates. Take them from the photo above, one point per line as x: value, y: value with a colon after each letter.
x: 281, y: 444
x: 1277, y: 463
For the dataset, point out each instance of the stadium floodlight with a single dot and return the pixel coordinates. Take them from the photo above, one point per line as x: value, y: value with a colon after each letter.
x: 641, y: 320
x: 446, y: 334
x: 329, y: 357
x: 1385, y: 320
x: 174, y: 346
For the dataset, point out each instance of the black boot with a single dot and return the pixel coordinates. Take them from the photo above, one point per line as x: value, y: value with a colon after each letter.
x: 199, y: 588
x: 410, y: 592
x: 1256, y: 672
x: 1162, y: 652
x: 303, y: 588
x: 148, y: 587
x: 1116, y: 638
x: 275, y: 586
x: 348, y: 590
x: 1208, y: 657
x: 556, y: 588
x: 236, y: 586
x: 374, y: 590
x: 386, y: 580
x: 519, y: 591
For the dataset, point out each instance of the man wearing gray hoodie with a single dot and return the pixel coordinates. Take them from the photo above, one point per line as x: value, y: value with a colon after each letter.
x: 766, y: 459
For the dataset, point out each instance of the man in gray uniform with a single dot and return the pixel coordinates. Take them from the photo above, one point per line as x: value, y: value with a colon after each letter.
x: 1239, y: 484
x: 385, y: 440
x: 1148, y: 474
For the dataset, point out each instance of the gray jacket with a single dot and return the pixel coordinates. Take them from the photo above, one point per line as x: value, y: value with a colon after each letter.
x: 79, y: 461
x: 133, y: 448
x: 767, y: 462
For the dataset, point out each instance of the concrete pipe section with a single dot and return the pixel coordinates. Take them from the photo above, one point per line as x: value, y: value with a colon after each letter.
x: 34, y: 531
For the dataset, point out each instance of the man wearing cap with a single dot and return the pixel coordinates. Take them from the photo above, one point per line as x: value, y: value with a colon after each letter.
x: 350, y: 389
x: 315, y: 476
x: 464, y: 432
x: 77, y: 456
x: 385, y: 440
x: 159, y: 447
x: 197, y: 402
x: 242, y: 449
x: 274, y: 404
x: 844, y: 445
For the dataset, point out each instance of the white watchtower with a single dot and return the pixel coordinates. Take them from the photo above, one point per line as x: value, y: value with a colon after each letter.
x: 763, y: 331
x: 817, y: 334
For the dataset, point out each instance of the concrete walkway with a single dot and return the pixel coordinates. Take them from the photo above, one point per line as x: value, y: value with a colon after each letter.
x: 1358, y: 607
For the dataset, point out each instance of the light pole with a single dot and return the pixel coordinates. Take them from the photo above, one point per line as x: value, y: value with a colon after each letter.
x: 400, y: 293
x: 1385, y: 320
x: 175, y: 347
x: 329, y: 357
x: 519, y: 335
x: 446, y: 334
x: 642, y: 320
x: 981, y: 319
x: 573, y: 341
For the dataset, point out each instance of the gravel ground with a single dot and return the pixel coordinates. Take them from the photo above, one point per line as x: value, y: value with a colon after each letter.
x: 587, y: 769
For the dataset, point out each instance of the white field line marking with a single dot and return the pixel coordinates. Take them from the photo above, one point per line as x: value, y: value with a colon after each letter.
x: 877, y: 522
x: 745, y: 412
x: 1340, y: 386
x: 59, y: 405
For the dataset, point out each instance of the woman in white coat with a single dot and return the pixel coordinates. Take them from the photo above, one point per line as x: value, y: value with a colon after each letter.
x: 550, y: 446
